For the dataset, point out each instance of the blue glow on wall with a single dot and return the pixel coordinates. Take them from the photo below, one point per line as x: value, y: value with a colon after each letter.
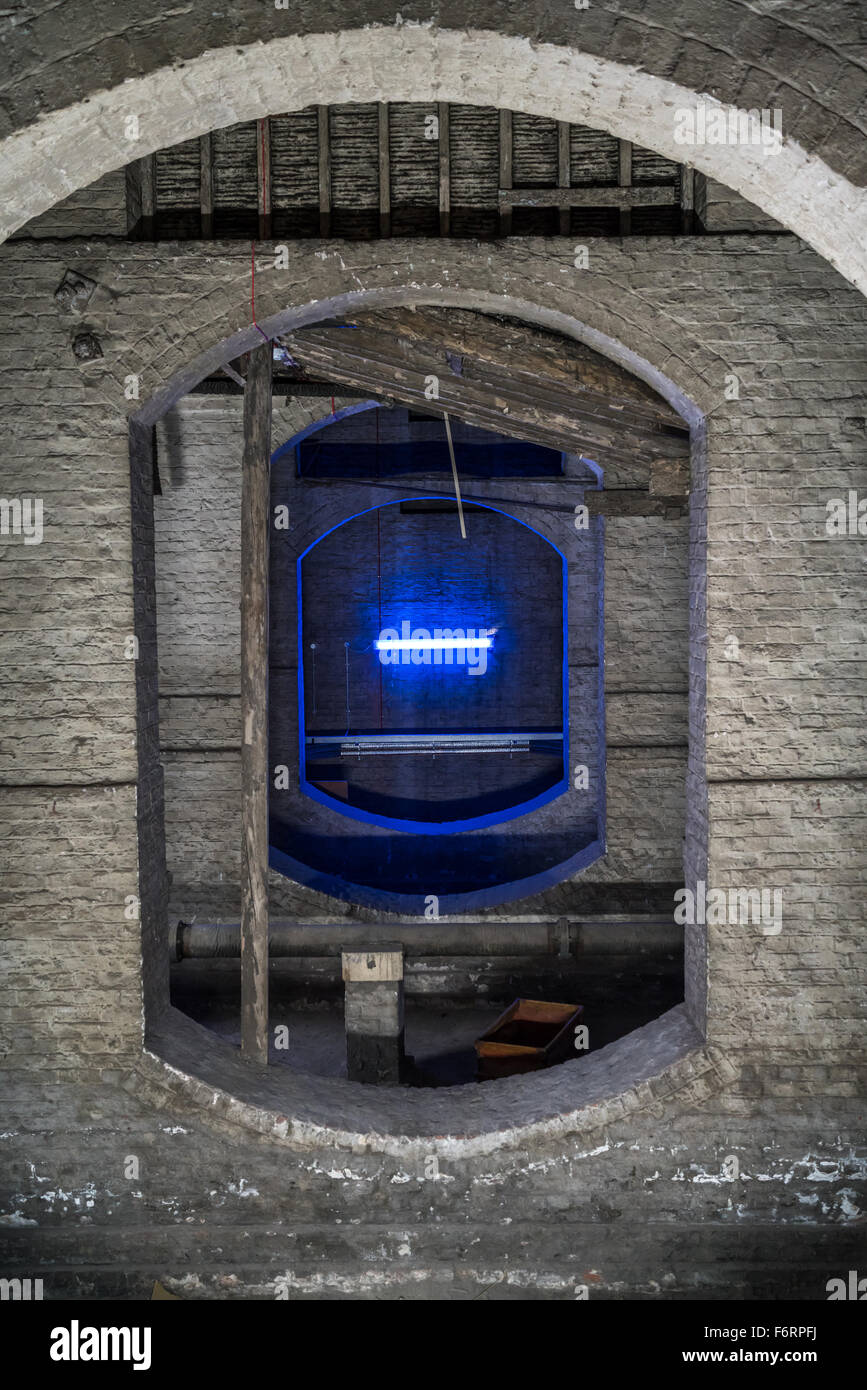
x: 347, y: 851
x: 437, y: 611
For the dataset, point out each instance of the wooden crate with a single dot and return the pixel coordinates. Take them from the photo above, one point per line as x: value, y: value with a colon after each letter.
x: 530, y: 1034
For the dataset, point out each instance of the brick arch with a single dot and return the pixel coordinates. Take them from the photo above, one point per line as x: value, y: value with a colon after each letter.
x: 308, y: 1111
x: 75, y: 144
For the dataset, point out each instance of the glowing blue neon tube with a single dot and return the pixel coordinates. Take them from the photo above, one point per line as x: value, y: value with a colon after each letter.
x: 429, y: 644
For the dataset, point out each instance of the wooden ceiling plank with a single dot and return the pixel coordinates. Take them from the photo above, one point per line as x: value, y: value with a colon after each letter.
x: 384, y: 172
x: 263, y: 166
x: 506, y: 148
x: 206, y: 186
x: 566, y: 431
x: 524, y: 347
x: 624, y: 179
x: 592, y: 196
x: 324, y: 171
x: 444, y: 168
x: 564, y: 172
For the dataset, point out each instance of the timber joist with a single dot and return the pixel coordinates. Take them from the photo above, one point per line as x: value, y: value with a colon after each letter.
x: 367, y: 171
x: 433, y: 362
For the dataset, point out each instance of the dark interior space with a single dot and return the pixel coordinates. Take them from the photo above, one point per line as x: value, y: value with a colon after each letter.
x: 618, y: 993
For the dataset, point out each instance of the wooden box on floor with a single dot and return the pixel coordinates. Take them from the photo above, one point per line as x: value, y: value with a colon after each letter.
x: 531, y: 1034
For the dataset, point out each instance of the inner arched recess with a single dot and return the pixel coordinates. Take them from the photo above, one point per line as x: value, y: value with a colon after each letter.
x: 601, y: 418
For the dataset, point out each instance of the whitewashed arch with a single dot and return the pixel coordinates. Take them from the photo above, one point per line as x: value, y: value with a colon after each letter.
x: 70, y: 148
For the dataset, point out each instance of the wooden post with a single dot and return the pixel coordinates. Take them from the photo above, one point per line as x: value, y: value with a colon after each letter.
x: 255, y: 517
x: 625, y: 181
x: 206, y: 186
x: 384, y: 173
x: 445, y: 167
x: 505, y: 170
x: 564, y: 171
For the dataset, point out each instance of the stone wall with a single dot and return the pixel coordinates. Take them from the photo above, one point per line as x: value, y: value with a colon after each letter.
x: 625, y: 72
x: 630, y: 1195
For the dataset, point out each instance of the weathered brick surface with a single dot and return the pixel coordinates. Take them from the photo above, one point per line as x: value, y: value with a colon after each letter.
x: 764, y: 309
x: 784, y: 757
x: 99, y: 210
x: 720, y: 48
x: 634, y: 1207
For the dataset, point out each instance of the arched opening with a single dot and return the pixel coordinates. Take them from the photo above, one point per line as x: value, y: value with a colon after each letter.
x: 416, y: 62
x: 313, y: 537
x: 442, y: 744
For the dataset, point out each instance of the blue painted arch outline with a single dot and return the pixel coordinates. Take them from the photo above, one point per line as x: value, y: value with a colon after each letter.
x: 690, y: 392
x: 430, y: 827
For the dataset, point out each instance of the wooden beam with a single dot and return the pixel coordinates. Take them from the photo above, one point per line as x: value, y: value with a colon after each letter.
x: 255, y: 521
x: 324, y: 172
x: 591, y: 196
x: 634, y: 502
x: 505, y: 173
x: 521, y: 349
x: 263, y: 155
x: 206, y: 185
x: 564, y: 171
x: 687, y: 199
x: 148, y: 185
x: 624, y: 178
x: 384, y: 172
x: 133, y: 198
x: 498, y: 397
x: 445, y: 176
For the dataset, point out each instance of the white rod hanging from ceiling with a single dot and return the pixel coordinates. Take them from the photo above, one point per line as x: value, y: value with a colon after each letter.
x: 455, y: 476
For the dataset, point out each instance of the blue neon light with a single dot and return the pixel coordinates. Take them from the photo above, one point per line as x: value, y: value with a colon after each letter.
x: 429, y: 644
x: 467, y: 647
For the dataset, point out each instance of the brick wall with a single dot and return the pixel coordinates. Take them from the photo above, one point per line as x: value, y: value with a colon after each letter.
x: 785, y: 805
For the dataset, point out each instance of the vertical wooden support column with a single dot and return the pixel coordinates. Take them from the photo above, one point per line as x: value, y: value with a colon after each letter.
x: 384, y: 173
x: 505, y: 171
x: 324, y: 172
x: 255, y: 508
x: 625, y: 181
x: 445, y: 197
x: 564, y: 171
x: 687, y: 199
x: 263, y: 160
x: 133, y: 199
x: 148, y: 177
x: 206, y: 186
x: 373, y: 1015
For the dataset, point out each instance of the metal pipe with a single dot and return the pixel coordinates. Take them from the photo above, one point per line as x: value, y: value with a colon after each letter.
x: 600, y: 936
